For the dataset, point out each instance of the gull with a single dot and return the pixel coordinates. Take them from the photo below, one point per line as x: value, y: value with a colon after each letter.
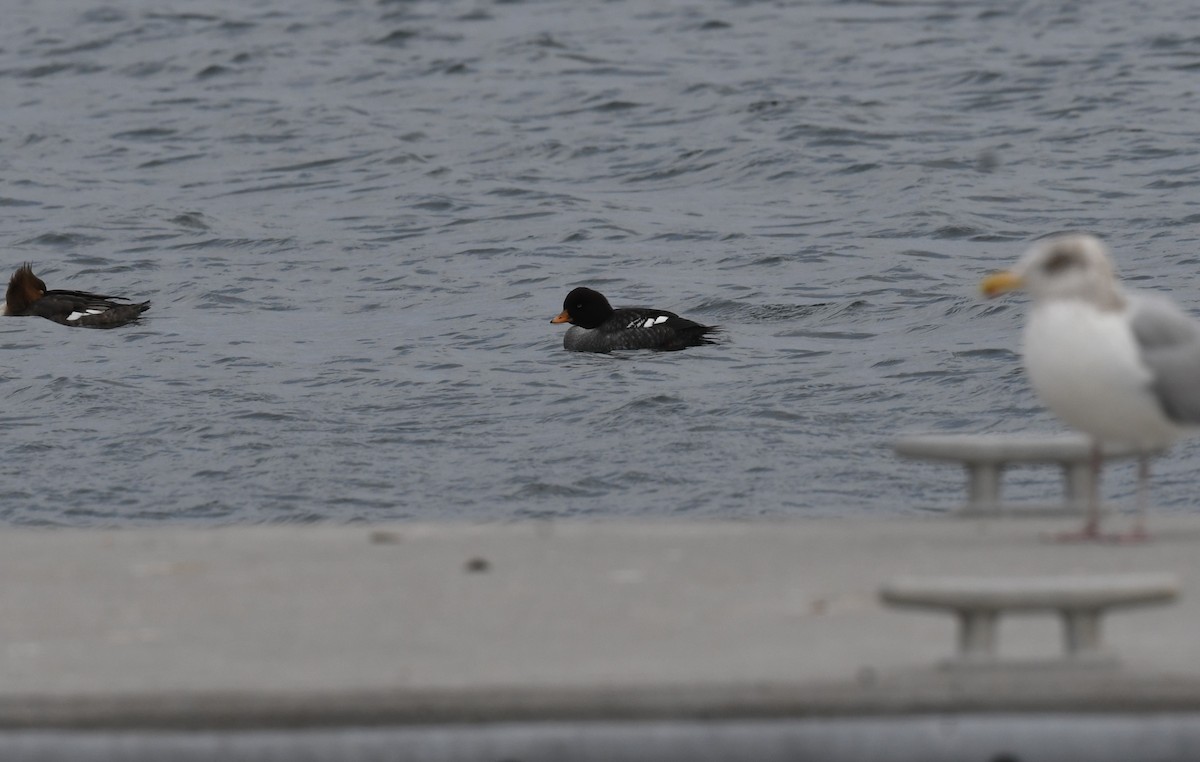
x: 1121, y: 366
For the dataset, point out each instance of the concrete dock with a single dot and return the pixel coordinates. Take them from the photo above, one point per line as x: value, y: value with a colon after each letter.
x: 617, y: 628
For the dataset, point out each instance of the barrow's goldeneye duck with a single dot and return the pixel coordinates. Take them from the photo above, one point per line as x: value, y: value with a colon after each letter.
x: 597, y: 327
x: 27, y: 295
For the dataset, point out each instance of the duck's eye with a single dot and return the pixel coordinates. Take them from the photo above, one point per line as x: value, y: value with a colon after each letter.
x: 1059, y: 262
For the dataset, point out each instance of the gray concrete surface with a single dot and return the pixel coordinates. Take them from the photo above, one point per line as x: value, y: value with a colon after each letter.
x: 941, y: 738
x: 261, y: 627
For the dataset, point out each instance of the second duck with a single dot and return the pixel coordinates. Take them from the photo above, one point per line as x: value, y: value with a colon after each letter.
x: 27, y: 295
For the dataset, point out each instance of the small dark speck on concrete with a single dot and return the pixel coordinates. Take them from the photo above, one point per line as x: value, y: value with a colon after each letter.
x: 384, y: 537
x: 477, y: 565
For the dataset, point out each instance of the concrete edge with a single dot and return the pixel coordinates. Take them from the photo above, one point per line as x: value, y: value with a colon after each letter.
x: 1062, y: 689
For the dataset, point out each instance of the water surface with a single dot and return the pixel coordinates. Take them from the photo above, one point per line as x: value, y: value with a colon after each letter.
x: 355, y: 220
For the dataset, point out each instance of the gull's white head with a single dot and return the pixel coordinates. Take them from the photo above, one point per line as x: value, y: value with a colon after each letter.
x: 1064, y: 267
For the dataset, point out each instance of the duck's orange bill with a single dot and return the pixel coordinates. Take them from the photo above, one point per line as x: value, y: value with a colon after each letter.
x: 562, y: 317
x: 1000, y: 283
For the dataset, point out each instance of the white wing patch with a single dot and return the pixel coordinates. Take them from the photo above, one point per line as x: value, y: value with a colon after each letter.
x: 648, y: 322
x: 89, y: 311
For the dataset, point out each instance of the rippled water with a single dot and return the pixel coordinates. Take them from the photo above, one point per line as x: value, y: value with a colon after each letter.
x: 355, y: 220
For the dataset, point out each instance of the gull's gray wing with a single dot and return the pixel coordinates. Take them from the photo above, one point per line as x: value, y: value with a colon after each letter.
x: 1169, y: 342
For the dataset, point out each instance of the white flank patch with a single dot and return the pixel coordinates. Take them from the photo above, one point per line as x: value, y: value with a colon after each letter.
x: 77, y: 315
x: 650, y: 321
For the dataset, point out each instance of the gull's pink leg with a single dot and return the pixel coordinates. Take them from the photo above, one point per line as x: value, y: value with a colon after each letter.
x: 1091, y: 523
x: 1138, y: 532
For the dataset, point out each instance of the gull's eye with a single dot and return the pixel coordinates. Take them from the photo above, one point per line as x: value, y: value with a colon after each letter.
x: 1059, y: 262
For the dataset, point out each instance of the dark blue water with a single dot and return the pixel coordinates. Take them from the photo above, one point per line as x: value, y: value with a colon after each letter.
x: 355, y: 220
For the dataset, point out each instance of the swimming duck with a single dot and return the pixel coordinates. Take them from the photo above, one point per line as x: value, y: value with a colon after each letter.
x: 27, y: 295
x: 597, y: 327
